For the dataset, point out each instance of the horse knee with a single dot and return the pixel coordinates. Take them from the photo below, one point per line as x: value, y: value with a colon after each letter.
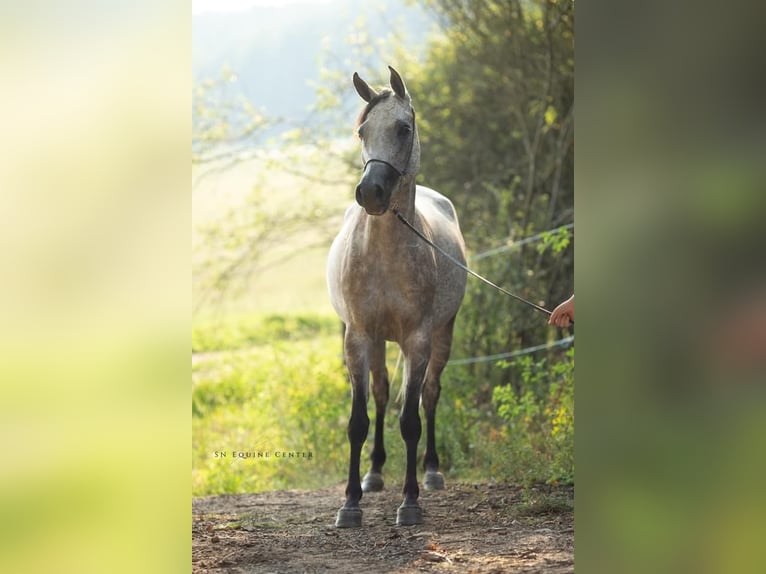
x: 358, y: 427
x: 410, y: 427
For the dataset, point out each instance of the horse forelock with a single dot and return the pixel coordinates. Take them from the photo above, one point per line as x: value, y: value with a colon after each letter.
x: 379, y: 97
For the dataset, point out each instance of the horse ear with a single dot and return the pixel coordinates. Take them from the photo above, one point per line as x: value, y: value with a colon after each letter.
x: 364, y: 91
x: 397, y: 84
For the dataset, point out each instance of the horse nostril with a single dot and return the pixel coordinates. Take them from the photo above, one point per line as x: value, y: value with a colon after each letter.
x: 370, y: 194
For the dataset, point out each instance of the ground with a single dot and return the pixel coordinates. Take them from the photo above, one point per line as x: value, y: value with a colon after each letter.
x: 480, y: 528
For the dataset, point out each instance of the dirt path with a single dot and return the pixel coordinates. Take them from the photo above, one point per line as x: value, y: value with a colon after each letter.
x: 468, y: 528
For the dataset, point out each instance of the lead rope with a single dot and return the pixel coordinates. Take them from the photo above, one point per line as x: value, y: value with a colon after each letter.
x: 464, y: 268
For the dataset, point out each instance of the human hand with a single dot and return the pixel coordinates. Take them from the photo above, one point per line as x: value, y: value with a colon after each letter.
x: 563, y: 315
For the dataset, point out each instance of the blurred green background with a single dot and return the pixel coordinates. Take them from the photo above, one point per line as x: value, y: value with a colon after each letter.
x: 671, y: 288
x: 94, y: 296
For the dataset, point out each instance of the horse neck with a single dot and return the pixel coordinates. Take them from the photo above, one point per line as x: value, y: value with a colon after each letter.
x: 383, y: 230
x: 404, y: 200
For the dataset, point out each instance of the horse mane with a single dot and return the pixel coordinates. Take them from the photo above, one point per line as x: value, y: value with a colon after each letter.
x: 379, y: 97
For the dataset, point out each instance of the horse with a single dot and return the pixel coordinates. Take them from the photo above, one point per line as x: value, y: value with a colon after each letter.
x: 386, y: 284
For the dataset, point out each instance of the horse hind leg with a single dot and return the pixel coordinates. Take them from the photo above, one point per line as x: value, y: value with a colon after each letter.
x: 441, y: 346
x: 373, y: 480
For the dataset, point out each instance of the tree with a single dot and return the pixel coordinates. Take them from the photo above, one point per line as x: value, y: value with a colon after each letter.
x: 495, y: 99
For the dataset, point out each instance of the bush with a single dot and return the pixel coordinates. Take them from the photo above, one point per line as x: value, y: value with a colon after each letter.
x: 539, y: 420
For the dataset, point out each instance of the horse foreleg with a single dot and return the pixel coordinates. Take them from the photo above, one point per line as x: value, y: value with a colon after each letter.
x: 373, y: 480
x: 356, y: 352
x: 409, y: 512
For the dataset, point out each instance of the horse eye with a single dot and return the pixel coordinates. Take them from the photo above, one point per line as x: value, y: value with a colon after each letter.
x: 403, y: 130
x: 360, y: 130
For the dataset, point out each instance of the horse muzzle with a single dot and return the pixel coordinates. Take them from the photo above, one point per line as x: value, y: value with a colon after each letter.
x: 375, y: 188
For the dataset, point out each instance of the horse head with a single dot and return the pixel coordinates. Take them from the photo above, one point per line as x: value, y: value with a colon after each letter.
x: 390, y: 145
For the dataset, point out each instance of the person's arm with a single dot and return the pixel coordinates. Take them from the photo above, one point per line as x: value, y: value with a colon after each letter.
x: 563, y: 315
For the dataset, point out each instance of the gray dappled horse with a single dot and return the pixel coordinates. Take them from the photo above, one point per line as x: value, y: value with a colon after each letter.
x: 386, y: 284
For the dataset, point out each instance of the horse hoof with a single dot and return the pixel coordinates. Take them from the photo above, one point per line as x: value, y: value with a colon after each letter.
x: 433, y: 480
x: 349, y: 518
x: 372, y: 482
x: 409, y: 515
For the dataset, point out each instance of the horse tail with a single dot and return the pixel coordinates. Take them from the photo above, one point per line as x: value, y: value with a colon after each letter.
x: 403, y: 386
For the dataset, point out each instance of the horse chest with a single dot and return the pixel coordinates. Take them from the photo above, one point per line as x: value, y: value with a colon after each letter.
x: 389, y: 291
x: 407, y: 270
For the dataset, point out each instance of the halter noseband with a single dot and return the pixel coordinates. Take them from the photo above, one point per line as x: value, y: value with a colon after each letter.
x: 384, y: 162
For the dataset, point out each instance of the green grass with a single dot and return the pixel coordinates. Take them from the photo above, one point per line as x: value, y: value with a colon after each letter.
x: 219, y: 334
x: 283, y: 393
x: 275, y: 383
